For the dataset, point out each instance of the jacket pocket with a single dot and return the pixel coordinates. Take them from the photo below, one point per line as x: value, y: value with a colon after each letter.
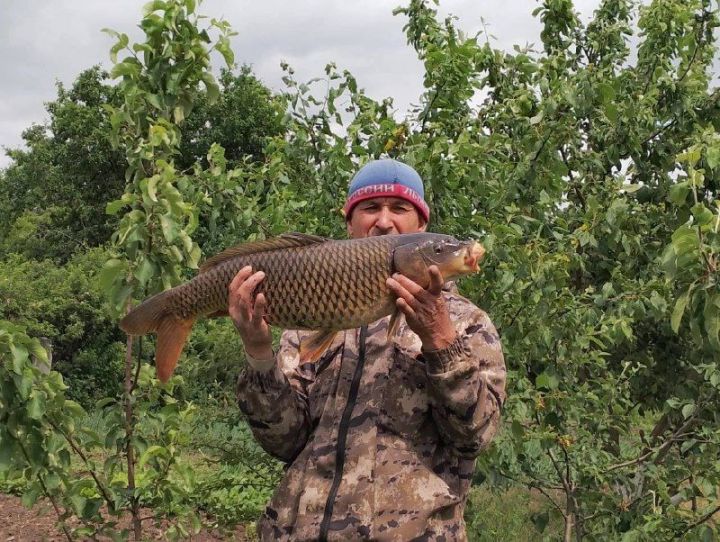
x: 405, y: 404
x: 409, y: 497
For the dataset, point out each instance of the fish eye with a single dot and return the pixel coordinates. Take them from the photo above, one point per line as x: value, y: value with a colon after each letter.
x: 438, y: 249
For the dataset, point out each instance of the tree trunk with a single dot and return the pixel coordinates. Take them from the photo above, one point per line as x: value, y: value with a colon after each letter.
x: 129, y: 450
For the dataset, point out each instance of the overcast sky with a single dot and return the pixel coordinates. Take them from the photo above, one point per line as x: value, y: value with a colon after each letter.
x: 44, y: 41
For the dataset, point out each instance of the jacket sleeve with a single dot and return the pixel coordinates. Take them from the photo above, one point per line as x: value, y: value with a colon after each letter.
x: 275, y: 401
x: 467, y: 384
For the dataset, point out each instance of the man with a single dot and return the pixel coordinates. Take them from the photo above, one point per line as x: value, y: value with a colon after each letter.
x: 380, y: 438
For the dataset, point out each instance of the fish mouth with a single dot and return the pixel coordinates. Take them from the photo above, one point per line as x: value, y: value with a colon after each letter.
x: 474, y: 253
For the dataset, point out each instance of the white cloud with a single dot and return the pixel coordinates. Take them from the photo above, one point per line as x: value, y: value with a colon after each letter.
x: 43, y: 42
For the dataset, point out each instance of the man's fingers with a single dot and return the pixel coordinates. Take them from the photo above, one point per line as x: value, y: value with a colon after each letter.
x: 239, y: 278
x: 406, y: 309
x: 245, y: 294
x: 436, y: 280
x: 401, y: 292
x: 241, y: 303
x: 411, y: 286
x: 259, y: 308
x: 248, y: 287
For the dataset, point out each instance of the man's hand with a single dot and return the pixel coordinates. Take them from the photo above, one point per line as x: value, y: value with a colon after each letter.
x: 425, y: 310
x: 247, y: 313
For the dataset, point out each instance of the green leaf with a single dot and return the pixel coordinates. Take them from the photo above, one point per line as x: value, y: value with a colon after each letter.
x: 179, y: 114
x: 679, y: 310
x: 36, y: 406
x: 120, y: 45
x: 607, y: 92
x: 611, y: 112
x: 145, y: 271
x: 151, y: 452
x: 20, y: 358
x: 154, y: 5
x: 78, y: 504
x: 712, y: 156
x: 540, y: 520
x: 702, y: 214
x: 152, y: 187
x: 73, y: 409
x: 212, y: 88
x: 31, y: 495
x: 547, y: 380
x: 111, y: 271
x: 170, y: 228
x: 52, y: 481
x: 679, y: 192
x: 194, y: 257
x: 113, y: 207
x: 38, y: 352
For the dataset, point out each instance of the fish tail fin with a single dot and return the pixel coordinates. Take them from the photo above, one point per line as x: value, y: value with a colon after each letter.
x: 172, y: 334
x: 154, y: 316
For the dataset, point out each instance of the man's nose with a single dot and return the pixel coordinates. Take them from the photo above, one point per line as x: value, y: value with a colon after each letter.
x: 384, y: 221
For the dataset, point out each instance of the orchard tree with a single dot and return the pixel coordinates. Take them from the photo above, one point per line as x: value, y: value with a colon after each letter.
x: 51, y: 192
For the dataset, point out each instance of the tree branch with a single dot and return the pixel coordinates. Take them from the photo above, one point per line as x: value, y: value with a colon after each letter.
x: 46, y: 491
x: 533, y: 485
x: 701, y: 520
x: 662, y: 449
x: 81, y: 454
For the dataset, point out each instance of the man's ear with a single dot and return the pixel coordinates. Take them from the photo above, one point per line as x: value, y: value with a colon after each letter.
x: 423, y: 224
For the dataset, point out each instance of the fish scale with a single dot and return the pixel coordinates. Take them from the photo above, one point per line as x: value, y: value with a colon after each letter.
x: 303, y: 285
x: 310, y: 283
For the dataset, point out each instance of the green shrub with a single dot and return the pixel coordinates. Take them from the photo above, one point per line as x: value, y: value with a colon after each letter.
x: 233, y: 494
x: 12, y: 484
x: 212, y: 361
x: 64, y: 304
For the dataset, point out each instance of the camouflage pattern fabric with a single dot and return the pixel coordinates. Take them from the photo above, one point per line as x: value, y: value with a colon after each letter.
x: 380, y: 438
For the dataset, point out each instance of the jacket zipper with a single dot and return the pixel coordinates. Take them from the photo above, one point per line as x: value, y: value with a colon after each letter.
x: 342, y: 438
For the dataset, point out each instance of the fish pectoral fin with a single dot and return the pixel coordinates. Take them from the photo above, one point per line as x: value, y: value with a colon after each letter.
x: 313, y: 346
x: 218, y: 314
x: 394, y: 324
x: 172, y: 334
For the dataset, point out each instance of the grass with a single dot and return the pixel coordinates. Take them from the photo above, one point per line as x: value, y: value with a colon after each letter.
x: 513, y: 514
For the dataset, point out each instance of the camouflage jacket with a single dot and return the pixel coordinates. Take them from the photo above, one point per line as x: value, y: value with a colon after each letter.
x: 380, y: 438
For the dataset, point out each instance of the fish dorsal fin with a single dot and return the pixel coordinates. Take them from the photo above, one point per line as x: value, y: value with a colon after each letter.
x: 286, y: 240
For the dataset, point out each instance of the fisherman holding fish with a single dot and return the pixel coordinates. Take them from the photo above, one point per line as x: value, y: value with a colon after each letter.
x: 379, y: 425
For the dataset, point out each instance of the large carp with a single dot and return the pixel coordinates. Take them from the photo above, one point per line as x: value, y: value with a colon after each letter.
x: 310, y: 283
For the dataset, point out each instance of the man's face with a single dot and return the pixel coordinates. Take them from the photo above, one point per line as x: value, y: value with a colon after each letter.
x: 384, y: 216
